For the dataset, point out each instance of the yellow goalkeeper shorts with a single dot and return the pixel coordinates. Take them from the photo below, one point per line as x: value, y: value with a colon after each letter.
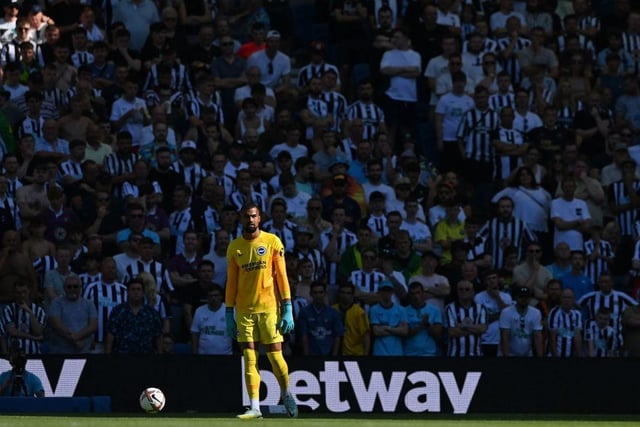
x: 258, y: 327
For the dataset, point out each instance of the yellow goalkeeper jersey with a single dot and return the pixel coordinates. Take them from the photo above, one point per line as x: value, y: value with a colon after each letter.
x: 256, y: 274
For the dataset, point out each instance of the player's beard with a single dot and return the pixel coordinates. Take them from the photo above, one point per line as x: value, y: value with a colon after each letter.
x: 250, y: 229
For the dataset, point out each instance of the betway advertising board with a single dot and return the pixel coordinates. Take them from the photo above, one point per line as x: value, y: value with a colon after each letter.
x: 356, y: 385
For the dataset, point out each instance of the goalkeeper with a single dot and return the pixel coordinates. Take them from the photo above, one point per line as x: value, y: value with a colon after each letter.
x: 258, y: 288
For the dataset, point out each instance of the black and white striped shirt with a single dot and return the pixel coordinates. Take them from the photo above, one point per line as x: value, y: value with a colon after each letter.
x: 367, y: 282
x: 498, y: 101
x: 589, y: 22
x: 105, y: 297
x: 566, y: 115
x: 567, y: 324
x: 129, y: 189
x: 500, y: 235
x: 14, y: 315
x: 192, y: 174
x: 378, y: 225
x: 237, y: 199
x: 42, y: 266
x: 317, y: 261
x: 8, y: 206
x: 80, y: 58
x: 605, y: 341
x: 195, y: 107
x: 31, y: 126
x: 155, y: 268
x: 11, y: 52
x: 631, y: 43
x: 505, y: 164
x: 312, y: 70
x: 337, y: 104
x: 86, y: 279
x: 619, y: 196
x: 370, y: 114
x: 179, y: 222
x: 179, y: 78
x: 594, y: 268
x: 469, y: 345
x: 475, y: 129
x: 116, y: 166
x: 615, y: 301
x: 512, y: 64
x: 13, y: 185
x: 69, y: 167
x: 56, y: 97
x: 488, y: 45
x: 585, y: 44
x: 227, y: 182
x: 286, y: 234
x: 344, y: 240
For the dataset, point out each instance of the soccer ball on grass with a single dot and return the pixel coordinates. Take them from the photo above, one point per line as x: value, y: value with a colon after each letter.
x: 152, y: 400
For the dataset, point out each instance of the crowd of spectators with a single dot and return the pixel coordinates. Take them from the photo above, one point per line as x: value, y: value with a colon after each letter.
x: 449, y: 178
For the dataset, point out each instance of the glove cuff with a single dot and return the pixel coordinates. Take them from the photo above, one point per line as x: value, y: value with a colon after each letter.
x: 229, y: 310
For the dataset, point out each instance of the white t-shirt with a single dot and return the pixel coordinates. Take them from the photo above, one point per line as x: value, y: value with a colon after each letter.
x: 522, y: 328
x: 569, y: 211
x: 296, y: 152
x: 526, y: 123
x: 133, y: 124
x: 389, y: 192
x: 123, y: 261
x: 529, y: 205
x: 280, y: 66
x: 452, y: 108
x: 402, y: 88
x: 492, y: 334
x: 211, y: 327
x: 296, y: 206
x: 419, y: 231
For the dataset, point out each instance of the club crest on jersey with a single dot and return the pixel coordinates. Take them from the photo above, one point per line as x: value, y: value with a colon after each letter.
x: 261, y: 250
x: 238, y: 252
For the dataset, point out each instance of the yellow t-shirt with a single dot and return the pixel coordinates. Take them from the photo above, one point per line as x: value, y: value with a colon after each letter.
x: 256, y: 274
x: 356, y: 327
x: 446, y: 231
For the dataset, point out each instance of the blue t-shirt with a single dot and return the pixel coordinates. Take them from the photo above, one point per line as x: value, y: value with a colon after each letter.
x: 123, y: 235
x: 422, y: 344
x: 32, y: 384
x: 387, y: 316
x: 580, y: 284
x: 322, y: 327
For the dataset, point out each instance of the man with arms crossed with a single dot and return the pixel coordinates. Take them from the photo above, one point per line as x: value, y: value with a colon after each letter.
x: 257, y: 286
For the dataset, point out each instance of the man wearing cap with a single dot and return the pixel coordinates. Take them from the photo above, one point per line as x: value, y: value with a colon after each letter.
x: 186, y: 165
x: 389, y: 323
x: 339, y: 198
x: 317, y: 67
x: 521, y: 327
x: 436, y: 286
x: 274, y: 65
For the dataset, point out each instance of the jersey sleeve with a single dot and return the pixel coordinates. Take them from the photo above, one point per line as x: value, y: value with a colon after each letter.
x: 231, y: 288
x: 280, y: 270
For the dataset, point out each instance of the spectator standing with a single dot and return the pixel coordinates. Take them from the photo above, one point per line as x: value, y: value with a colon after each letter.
x: 320, y: 325
x: 466, y: 322
x: 565, y: 327
x: 389, y: 324
x: 73, y: 320
x: 424, y: 324
x: 494, y: 301
x: 134, y: 326
x: 521, y: 327
x: 357, y: 331
x: 208, y: 329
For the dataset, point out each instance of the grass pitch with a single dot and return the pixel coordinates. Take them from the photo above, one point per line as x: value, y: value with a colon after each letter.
x: 428, y: 420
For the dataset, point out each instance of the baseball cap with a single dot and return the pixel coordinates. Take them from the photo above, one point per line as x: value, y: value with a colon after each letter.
x: 385, y: 285
x: 273, y: 34
x: 521, y: 291
x: 188, y: 144
x: 339, y: 160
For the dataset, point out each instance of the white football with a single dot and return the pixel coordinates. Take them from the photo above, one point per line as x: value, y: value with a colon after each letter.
x: 152, y: 400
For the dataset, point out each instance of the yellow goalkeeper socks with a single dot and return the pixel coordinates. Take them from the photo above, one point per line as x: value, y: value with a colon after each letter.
x: 251, y: 375
x: 280, y: 370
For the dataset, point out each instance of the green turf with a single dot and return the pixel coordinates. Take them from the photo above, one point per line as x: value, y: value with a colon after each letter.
x: 163, y: 420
